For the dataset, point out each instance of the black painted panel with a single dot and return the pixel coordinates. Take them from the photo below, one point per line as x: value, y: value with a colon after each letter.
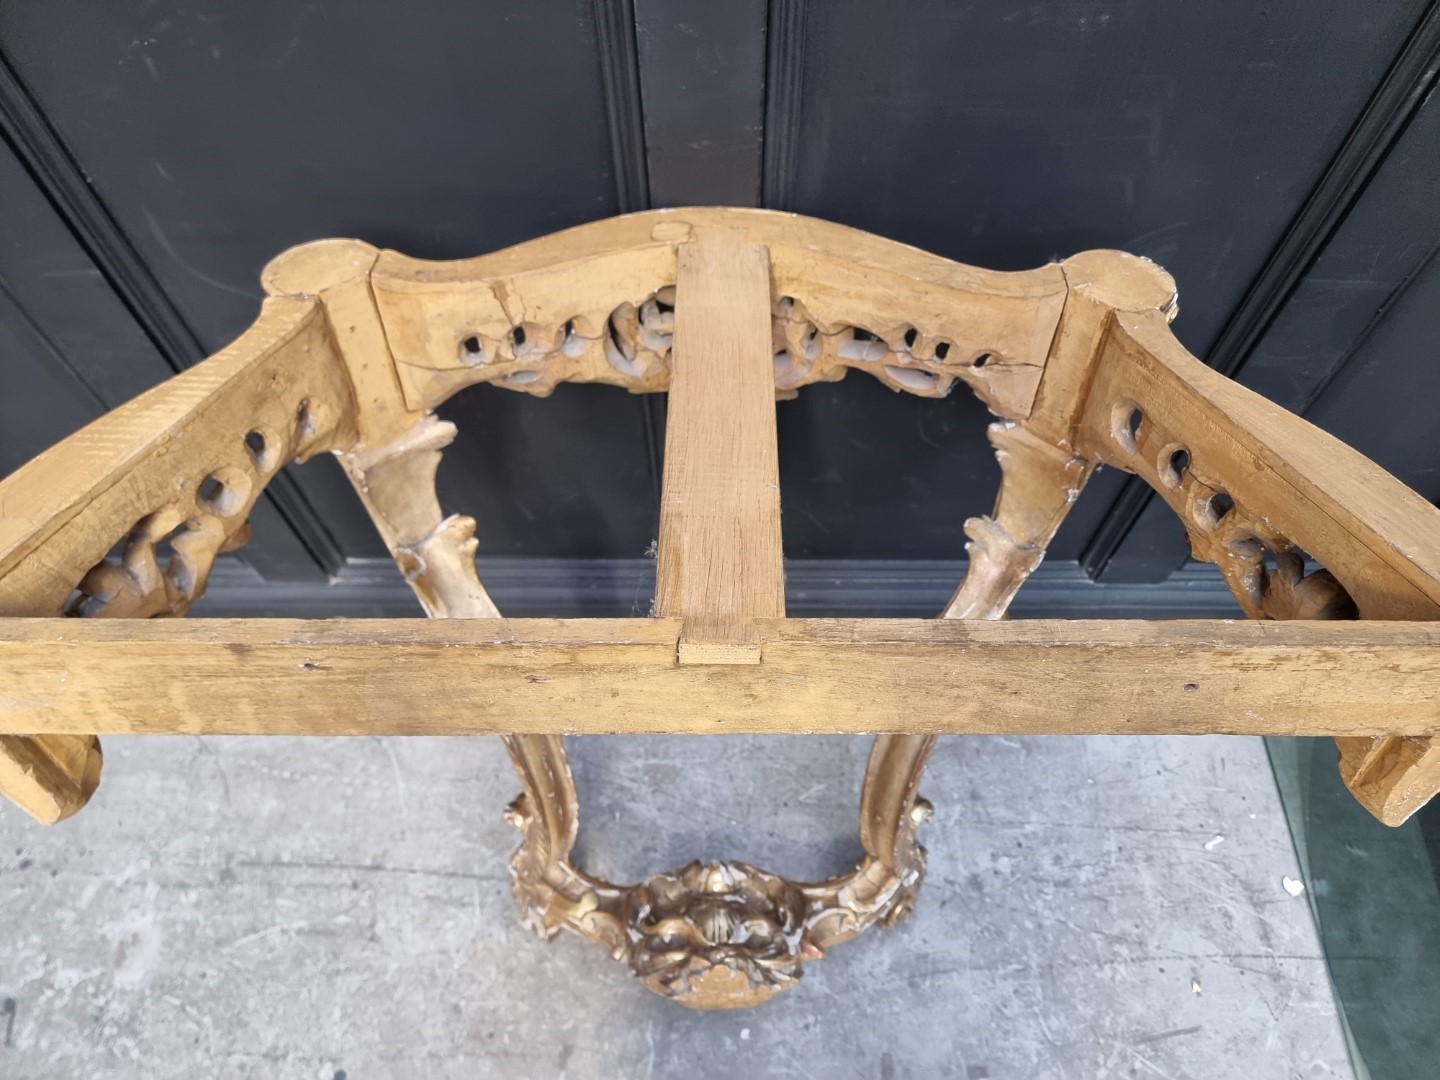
x: 1338, y: 313
x: 56, y: 371
x: 31, y: 362
x: 1007, y: 136
x: 64, y: 295
x: 1386, y: 401
x: 1385, y: 240
x: 551, y: 477
x: 219, y: 135
x: 702, y: 80
x: 871, y: 474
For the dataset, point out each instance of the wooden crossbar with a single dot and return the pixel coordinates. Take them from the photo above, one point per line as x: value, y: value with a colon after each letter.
x: 719, y: 562
x: 472, y: 676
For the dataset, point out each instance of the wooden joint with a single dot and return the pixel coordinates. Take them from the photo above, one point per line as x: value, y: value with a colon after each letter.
x: 718, y: 639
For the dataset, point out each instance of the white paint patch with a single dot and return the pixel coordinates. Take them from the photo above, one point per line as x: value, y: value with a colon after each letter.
x: 1214, y: 842
x: 1293, y: 887
x: 138, y: 950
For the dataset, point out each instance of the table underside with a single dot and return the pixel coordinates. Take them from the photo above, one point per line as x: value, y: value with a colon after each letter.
x: 1336, y: 562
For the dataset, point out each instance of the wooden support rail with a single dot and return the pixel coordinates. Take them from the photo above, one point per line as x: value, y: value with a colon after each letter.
x: 719, y: 562
x: 474, y: 676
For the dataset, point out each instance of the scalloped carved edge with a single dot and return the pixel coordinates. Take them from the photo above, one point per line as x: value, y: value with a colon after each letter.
x: 173, y: 474
x: 197, y: 449
x: 591, y: 305
x: 1257, y: 489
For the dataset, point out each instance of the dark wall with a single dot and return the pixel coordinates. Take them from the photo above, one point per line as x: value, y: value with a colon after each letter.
x: 1279, y: 159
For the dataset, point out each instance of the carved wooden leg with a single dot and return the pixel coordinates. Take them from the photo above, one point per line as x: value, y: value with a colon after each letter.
x: 437, y: 556
x: 882, y: 889
x: 50, y: 777
x: 396, y: 481
x: 1038, y: 484
x: 552, y: 893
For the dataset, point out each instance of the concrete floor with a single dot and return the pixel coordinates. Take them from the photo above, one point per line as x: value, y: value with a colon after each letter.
x: 339, y: 910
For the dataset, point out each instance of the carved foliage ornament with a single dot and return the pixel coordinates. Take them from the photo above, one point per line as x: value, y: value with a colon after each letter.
x: 636, y: 338
x: 714, y: 935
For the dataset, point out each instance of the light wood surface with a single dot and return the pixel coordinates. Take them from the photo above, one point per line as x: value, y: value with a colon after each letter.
x: 50, y: 777
x: 281, y: 381
x: 459, y: 676
x: 719, y: 560
x: 1259, y: 488
x: 591, y: 304
x: 1288, y: 479
x: 124, y: 519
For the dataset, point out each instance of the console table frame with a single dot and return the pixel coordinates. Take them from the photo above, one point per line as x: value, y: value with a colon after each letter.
x: 725, y: 310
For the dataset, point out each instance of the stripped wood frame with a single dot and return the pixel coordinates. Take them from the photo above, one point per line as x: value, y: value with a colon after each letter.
x: 725, y: 310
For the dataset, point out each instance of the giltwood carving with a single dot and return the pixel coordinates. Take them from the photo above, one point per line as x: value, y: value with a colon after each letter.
x: 725, y: 310
x: 1254, y: 487
x: 904, y: 357
x: 125, y: 518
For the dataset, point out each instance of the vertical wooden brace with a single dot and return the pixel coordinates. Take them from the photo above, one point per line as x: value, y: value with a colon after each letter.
x: 720, y: 564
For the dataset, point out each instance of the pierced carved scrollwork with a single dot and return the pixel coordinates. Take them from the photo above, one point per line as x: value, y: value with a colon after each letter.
x: 638, y: 340
x: 903, y: 357
x: 161, y: 566
x: 629, y: 347
x: 1264, y: 570
x: 595, y: 308
x: 1273, y: 578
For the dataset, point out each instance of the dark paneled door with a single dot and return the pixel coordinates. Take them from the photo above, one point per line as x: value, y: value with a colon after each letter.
x: 1281, y: 160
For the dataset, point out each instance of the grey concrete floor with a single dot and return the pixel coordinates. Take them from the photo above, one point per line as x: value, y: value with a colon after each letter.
x: 339, y: 910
